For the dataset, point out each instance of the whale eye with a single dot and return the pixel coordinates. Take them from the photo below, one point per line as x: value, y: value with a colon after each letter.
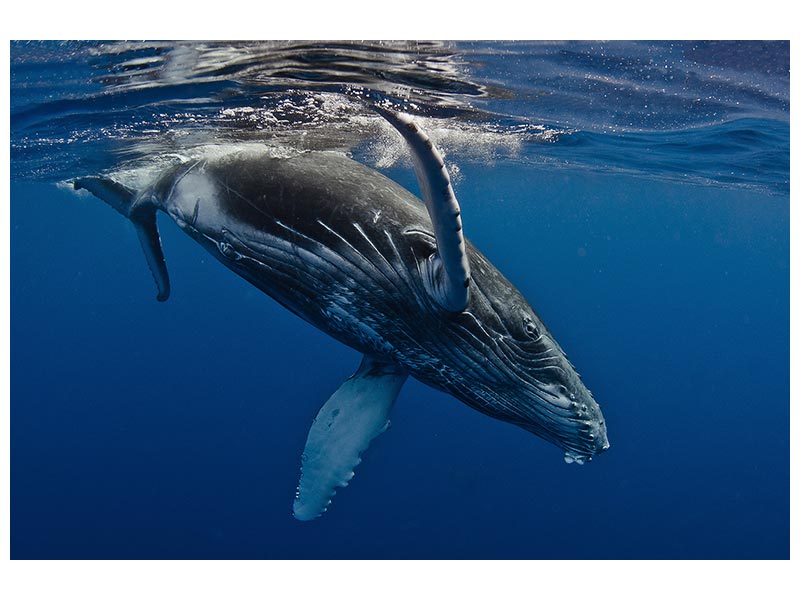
x: 530, y: 328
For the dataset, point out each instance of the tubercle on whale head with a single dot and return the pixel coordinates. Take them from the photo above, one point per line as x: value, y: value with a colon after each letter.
x: 595, y: 433
x: 579, y: 429
x: 593, y: 436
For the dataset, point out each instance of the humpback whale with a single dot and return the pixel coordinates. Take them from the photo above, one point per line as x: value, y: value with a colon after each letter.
x: 364, y: 260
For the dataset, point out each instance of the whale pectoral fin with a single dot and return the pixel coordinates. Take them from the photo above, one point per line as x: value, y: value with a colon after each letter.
x: 449, y: 285
x: 351, y: 418
x: 142, y: 215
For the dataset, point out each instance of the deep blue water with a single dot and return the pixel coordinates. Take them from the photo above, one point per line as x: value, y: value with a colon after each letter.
x: 636, y: 193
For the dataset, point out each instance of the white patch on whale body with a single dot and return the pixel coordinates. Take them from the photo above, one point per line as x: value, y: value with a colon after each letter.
x: 193, y: 201
x: 572, y: 457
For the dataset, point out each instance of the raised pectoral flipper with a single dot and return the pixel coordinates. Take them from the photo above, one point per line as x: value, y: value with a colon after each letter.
x: 351, y: 418
x: 448, y: 276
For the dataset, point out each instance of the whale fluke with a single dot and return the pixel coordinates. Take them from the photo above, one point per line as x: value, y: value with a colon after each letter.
x: 149, y: 238
x: 352, y: 417
x: 449, y: 276
x: 142, y: 214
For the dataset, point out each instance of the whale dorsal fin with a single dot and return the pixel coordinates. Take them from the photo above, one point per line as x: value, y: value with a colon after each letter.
x: 449, y: 275
x: 142, y: 215
x: 352, y: 417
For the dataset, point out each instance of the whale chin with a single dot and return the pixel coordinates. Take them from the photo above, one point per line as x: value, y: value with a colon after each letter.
x: 571, y: 456
x: 580, y: 435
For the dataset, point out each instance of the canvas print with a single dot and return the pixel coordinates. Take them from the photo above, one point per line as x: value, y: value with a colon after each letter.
x: 400, y: 299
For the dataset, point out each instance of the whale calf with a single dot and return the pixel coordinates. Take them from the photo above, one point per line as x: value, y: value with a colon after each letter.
x: 364, y: 260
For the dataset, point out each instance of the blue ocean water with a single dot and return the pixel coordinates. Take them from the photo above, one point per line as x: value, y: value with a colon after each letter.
x: 636, y: 193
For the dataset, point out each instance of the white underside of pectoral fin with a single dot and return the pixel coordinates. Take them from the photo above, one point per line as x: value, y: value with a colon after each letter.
x: 451, y: 289
x: 343, y: 429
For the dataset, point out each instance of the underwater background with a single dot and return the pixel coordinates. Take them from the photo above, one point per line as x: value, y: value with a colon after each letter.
x: 637, y: 193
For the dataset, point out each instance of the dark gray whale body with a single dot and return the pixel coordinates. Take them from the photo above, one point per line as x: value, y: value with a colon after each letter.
x: 361, y: 258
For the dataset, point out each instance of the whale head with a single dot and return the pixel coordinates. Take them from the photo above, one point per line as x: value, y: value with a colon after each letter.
x: 511, y: 368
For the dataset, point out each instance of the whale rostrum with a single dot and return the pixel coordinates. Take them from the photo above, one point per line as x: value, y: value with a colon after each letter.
x: 362, y: 259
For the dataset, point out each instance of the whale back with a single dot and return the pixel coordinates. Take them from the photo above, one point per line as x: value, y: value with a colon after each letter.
x: 306, y: 229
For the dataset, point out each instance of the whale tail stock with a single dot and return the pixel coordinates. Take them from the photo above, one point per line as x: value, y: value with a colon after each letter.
x: 143, y: 216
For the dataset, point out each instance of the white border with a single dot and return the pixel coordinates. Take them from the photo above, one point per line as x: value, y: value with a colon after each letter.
x: 506, y: 19
x: 407, y: 19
